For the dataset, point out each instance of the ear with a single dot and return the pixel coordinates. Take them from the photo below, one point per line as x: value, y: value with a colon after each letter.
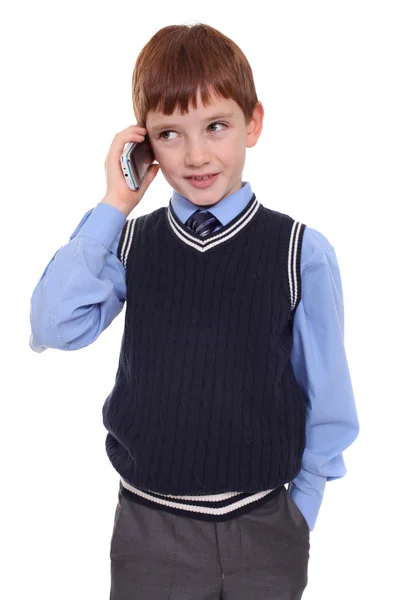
x: 255, y: 125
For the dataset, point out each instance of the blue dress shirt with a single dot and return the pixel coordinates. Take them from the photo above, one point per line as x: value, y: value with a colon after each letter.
x: 83, y: 289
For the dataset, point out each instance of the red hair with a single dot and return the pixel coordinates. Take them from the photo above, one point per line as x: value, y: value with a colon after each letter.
x: 179, y: 60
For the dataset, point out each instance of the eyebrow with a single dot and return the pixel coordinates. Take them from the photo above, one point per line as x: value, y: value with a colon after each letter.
x: 173, y: 125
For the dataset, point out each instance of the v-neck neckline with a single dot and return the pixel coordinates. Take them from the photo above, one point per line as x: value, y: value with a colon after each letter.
x: 202, y: 244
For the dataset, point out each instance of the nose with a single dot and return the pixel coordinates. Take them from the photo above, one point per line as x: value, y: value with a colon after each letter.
x: 196, y: 154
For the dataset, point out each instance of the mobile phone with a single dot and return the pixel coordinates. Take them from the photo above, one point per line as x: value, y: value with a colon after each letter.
x: 136, y: 159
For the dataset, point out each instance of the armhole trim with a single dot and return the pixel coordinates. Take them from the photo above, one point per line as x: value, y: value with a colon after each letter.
x: 294, y: 274
x: 125, y: 241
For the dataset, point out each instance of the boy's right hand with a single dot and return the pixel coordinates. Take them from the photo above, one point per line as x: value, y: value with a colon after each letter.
x: 118, y: 193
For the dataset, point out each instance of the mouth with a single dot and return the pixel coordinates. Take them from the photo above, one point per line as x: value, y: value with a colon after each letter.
x: 202, y: 182
x: 198, y: 177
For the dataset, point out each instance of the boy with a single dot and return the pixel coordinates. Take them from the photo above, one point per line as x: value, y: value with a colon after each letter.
x: 232, y: 379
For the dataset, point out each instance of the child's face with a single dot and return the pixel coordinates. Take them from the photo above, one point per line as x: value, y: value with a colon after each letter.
x: 195, y: 144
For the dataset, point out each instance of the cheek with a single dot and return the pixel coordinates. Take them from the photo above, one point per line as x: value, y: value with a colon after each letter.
x: 166, y: 158
x: 231, y: 155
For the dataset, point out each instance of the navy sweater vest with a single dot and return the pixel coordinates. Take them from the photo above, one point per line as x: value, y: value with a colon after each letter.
x: 205, y: 400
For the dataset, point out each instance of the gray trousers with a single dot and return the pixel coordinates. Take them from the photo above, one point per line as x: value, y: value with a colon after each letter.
x: 156, y: 555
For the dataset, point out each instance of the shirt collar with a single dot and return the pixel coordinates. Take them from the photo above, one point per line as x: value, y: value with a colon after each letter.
x: 225, y: 210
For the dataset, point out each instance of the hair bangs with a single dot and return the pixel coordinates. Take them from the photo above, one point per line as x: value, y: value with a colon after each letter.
x: 180, y: 61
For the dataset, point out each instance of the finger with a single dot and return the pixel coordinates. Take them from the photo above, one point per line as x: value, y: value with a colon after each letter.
x: 119, y: 143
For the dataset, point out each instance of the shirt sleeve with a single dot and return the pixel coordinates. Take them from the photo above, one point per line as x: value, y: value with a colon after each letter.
x: 320, y: 366
x: 83, y: 287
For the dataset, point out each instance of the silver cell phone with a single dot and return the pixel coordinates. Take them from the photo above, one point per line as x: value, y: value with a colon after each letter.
x: 136, y: 159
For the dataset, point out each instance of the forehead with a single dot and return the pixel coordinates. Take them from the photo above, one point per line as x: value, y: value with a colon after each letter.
x: 218, y: 108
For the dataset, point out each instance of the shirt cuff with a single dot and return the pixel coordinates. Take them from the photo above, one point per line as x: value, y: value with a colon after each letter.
x: 309, y: 500
x: 34, y: 346
x: 103, y: 225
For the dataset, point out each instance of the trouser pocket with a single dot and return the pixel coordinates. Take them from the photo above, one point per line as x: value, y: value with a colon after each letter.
x: 296, y: 513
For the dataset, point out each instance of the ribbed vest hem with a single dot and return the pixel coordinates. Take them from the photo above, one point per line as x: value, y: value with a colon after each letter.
x: 210, y: 507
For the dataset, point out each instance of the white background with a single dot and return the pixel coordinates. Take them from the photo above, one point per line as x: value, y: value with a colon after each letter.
x: 327, y: 74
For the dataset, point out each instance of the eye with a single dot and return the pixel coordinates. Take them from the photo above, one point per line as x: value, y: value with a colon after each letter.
x: 211, y: 125
x: 162, y: 133
x: 223, y: 124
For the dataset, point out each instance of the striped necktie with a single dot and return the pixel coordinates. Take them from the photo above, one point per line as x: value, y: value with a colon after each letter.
x: 202, y: 223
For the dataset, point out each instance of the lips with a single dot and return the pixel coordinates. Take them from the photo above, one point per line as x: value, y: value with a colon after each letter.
x: 203, y: 183
x: 205, y: 175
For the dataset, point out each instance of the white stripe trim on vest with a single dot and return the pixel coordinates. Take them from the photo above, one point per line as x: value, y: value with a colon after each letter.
x: 218, y: 238
x: 199, y: 509
x: 127, y: 243
x: 292, y: 262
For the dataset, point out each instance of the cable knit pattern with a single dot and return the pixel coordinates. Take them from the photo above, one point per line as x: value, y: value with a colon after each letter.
x: 205, y: 399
